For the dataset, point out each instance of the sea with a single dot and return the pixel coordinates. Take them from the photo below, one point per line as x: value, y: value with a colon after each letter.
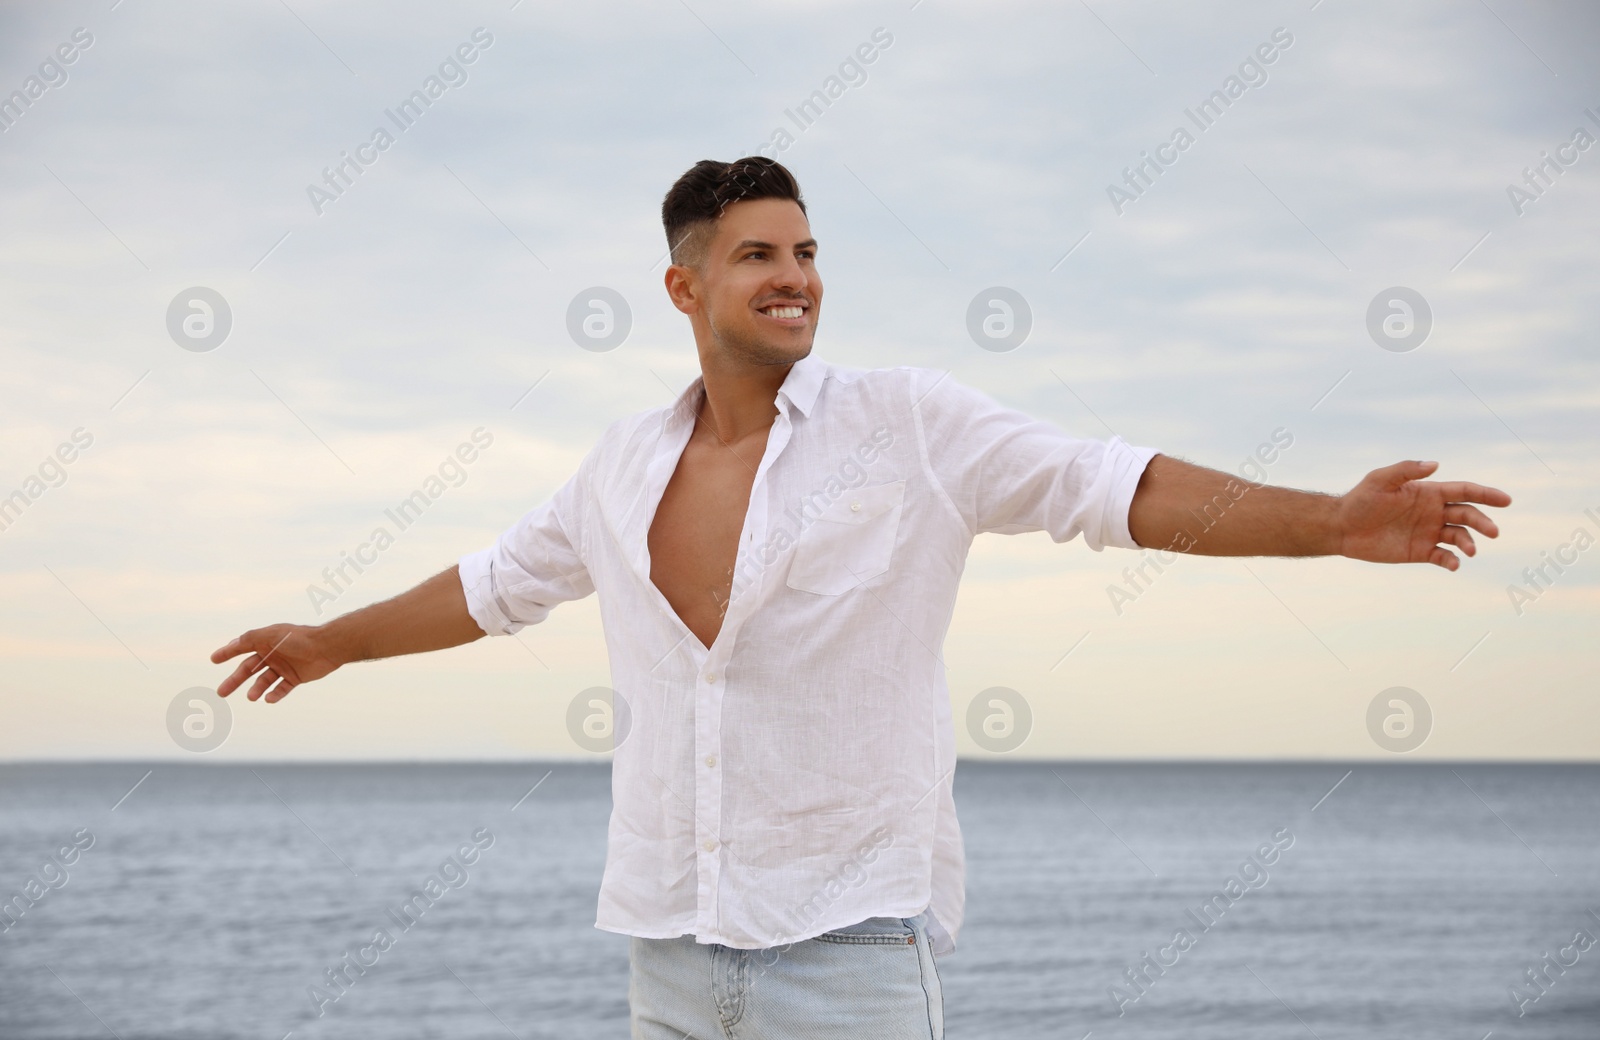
x: 1127, y: 901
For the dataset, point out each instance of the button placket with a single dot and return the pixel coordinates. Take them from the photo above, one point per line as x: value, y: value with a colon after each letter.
x: 710, y: 687
x: 708, y: 792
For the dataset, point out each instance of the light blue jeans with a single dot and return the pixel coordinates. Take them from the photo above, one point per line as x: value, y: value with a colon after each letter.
x: 871, y: 981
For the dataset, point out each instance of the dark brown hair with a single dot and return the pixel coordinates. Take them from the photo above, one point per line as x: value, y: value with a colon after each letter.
x: 696, y: 201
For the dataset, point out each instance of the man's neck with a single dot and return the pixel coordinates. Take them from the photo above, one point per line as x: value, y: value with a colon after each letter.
x: 740, y: 398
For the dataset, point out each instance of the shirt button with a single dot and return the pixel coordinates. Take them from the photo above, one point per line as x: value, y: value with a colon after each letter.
x: 711, y: 846
x: 712, y: 677
x: 855, y: 507
x: 711, y: 760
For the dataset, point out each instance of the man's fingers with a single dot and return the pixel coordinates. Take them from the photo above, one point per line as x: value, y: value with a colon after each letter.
x: 280, y: 691
x: 252, y: 640
x: 1461, y: 538
x: 262, y: 644
x: 1395, y: 476
x: 1466, y: 491
x: 248, y: 667
x: 233, y: 648
x: 1392, y: 477
x: 1444, y: 558
x: 1471, y: 516
x: 265, y: 679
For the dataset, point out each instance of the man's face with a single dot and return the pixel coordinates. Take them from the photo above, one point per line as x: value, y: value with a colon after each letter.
x: 759, y: 293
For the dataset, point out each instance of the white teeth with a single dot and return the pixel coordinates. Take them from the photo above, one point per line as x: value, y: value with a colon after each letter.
x: 784, y: 312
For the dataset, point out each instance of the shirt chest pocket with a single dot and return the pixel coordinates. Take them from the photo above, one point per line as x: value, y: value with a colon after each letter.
x: 851, y: 541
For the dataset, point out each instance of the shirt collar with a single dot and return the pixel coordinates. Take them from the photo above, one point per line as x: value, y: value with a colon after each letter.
x: 804, y: 382
x: 800, y: 388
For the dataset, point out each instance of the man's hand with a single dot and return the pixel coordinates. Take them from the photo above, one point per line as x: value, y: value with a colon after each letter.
x: 286, y: 654
x: 431, y: 616
x: 1394, y: 516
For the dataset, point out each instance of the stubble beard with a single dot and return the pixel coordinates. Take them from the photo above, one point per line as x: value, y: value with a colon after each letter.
x: 753, y: 350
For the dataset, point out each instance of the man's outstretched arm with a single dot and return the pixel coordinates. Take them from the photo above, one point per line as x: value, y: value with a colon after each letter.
x: 431, y: 616
x: 1392, y: 516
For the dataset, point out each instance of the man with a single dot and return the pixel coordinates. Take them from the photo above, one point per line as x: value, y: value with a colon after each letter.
x: 776, y: 556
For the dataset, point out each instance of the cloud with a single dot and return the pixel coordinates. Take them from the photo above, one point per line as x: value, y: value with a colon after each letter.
x: 424, y: 301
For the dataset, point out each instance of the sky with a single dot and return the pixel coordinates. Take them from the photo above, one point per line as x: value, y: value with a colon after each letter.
x: 1235, y: 295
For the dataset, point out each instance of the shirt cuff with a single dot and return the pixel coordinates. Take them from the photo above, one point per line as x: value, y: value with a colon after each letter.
x: 483, y: 603
x: 1129, y: 462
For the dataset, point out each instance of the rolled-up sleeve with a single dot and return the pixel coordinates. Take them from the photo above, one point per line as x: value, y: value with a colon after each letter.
x: 534, y: 565
x: 1010, y: 473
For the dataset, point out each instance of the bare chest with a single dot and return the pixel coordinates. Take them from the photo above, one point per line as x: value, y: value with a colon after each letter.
x: 694, y: 536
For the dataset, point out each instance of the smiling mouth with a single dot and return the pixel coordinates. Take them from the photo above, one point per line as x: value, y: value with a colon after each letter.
x: 784, y: 311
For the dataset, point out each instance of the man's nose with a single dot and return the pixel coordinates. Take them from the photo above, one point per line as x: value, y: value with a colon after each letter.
x: 791, y: 276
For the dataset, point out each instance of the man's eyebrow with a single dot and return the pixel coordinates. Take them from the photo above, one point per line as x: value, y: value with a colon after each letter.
x: 751, y: 243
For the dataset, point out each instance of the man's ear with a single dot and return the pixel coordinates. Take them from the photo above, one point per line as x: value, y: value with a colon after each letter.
x: 684, y: 288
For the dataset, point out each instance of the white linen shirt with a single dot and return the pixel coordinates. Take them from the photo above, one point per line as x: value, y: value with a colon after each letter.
x: 795, y: 776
